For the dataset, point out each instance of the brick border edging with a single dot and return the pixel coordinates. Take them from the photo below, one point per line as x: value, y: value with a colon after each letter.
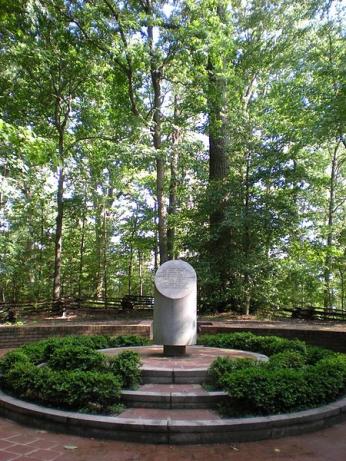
x: 177, y: 431
x: 16, y: 336
x: 315, y: 335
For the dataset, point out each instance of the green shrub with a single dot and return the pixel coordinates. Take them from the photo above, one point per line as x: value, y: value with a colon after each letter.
x: 77, y: 389
x: 20, y: 378
x: 35, y: 351
x: 71, y: 357
x: 287, y: 359
x: 259, y: 391
x: 41, y: 351
x: 91, y: 342
x: 67, y: 389
x: 224, y: 365
x: 75, y: 375
x: 267, y: 345
x: 314, y: 354
x: 11, y: 359
x: 326, y: 380
x: 296, y: 377
x: 128, y: 341
x: 126, y: 366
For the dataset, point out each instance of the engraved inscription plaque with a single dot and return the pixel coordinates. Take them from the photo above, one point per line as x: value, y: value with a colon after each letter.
x: 175, y: 279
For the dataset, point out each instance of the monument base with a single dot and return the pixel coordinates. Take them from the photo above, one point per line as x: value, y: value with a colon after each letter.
x: 174, y: 351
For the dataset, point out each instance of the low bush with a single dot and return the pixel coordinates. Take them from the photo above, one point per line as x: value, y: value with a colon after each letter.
x: 70, y: 389
x: 326, y: 380
x: 73, y: 375
x: 314, y: 354
x: 296, y: 377
x: 128, y: 341
x: 91, y: 342
x: 35, y: 351
x: 267, y: 345
x: 11, y: 359
x: 72, y: 357
x: 126, y: 366
x: 287, y: 359
x: 222, y: 366
x: 259, y: 391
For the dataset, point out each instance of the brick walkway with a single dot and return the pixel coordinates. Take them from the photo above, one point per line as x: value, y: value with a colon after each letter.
x: 19, y: 443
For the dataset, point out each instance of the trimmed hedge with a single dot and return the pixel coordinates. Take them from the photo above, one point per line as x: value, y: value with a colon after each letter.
x: 126, y: 366
x: 69, y: 373
x: 296, y: 377
x: 267, y: 345
x: 71, y: 357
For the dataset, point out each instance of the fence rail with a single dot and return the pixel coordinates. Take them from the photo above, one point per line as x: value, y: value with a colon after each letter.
x: 312, y: 313
x: 10, y: 312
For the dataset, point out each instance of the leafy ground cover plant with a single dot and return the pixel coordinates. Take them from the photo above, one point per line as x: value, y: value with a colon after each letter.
x: 69, y: 372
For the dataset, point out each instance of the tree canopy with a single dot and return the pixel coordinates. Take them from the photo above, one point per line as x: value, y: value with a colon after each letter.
x: 134, y: 132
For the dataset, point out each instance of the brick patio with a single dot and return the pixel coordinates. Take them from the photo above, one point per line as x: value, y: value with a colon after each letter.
x: 19, y: 443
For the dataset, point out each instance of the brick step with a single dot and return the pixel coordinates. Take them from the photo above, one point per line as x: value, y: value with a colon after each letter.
x: 154, y: 375
x: 156, y: 414
x: 172, y: 396
x: 191, y: 368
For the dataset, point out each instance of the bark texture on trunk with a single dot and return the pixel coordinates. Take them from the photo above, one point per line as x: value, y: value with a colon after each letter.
x: 156, y: 80
x: 57, y: 290
x: 219, y: 239
x: 173, y: 187
x: 328, y: 298
x: 247, y: 239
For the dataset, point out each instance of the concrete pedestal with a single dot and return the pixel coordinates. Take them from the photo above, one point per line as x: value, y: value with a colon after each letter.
x: 175, y: 309
x: 174, y: 351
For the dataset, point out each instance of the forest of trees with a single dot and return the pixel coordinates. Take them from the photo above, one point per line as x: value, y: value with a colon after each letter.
x: 137, y: 131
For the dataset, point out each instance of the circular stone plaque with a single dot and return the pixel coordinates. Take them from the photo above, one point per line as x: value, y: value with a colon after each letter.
x: 175, y: 279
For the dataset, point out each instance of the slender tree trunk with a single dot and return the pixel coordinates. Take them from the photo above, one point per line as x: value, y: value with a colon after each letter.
x: 156, y: 248
x: 104, y: 259
x: 98, y: 249
x: 246, y: 239
x: 219, y: 240
x: 41, y: 256
x: 62, y: 113
x: 328, y: 298
x: 58, y: 238
x: 130, y: 270
x: 81, y: 255
x: 342, y: 283
x: 130, y: 265
x: 172, y: 206
x: 140, y: 272
x: 156, y: 77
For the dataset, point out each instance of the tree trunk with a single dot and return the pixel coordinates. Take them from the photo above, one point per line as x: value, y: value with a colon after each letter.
x: 140, y: 272
x: 156, y: 247
x: 99, y: 235
x: 129, y: 280
x: 219, y: 239
x: 62, y: 112
x: 81, y: 254
x: 58, y: 238
x: 104, y: 259
x: 328, y: 298
x: 247, y: 239
x: 156, y: 77
x: 342, y: 287
x: 172, y: 206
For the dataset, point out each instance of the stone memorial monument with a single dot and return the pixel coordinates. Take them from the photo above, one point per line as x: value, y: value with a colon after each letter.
x: 175, y: 309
